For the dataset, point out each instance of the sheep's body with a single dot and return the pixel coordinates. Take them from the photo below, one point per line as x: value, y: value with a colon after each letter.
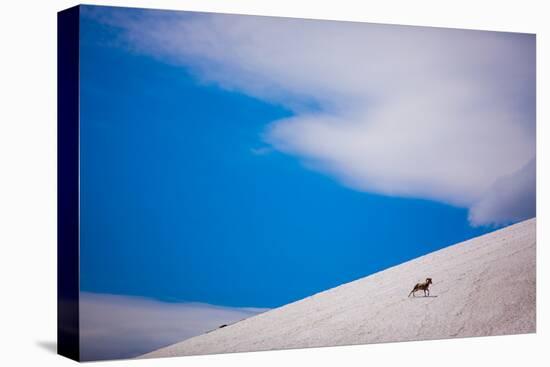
x: 424, y: 286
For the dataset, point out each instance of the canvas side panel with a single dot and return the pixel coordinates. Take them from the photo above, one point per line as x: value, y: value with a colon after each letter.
x: 68, y: 183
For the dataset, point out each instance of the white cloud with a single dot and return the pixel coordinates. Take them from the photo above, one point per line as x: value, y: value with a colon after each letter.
x: 510, y: 199
x: 261, y: 150
x: 113, y: 327
x: 419, y: 112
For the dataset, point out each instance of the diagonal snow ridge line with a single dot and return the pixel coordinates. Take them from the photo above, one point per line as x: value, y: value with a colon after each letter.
x: 483, y: 286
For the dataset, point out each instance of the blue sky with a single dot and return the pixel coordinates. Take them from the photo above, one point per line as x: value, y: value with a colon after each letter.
x: 207, y: 178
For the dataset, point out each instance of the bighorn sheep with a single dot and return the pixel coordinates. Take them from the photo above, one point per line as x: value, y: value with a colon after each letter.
x: 422, y: 286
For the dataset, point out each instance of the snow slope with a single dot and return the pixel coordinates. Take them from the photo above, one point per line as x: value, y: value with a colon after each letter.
x: 484, y: 286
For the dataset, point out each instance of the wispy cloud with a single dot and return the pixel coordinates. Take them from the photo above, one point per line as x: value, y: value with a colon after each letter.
x: 441, y: 114
x: 512, y: 197
x: 261, y: 150
x: 113, y: 326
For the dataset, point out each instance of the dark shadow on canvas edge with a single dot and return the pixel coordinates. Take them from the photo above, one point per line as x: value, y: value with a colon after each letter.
x: 48, y: 345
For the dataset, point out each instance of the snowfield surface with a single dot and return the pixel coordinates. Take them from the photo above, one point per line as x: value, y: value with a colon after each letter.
x: 484, y: 286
